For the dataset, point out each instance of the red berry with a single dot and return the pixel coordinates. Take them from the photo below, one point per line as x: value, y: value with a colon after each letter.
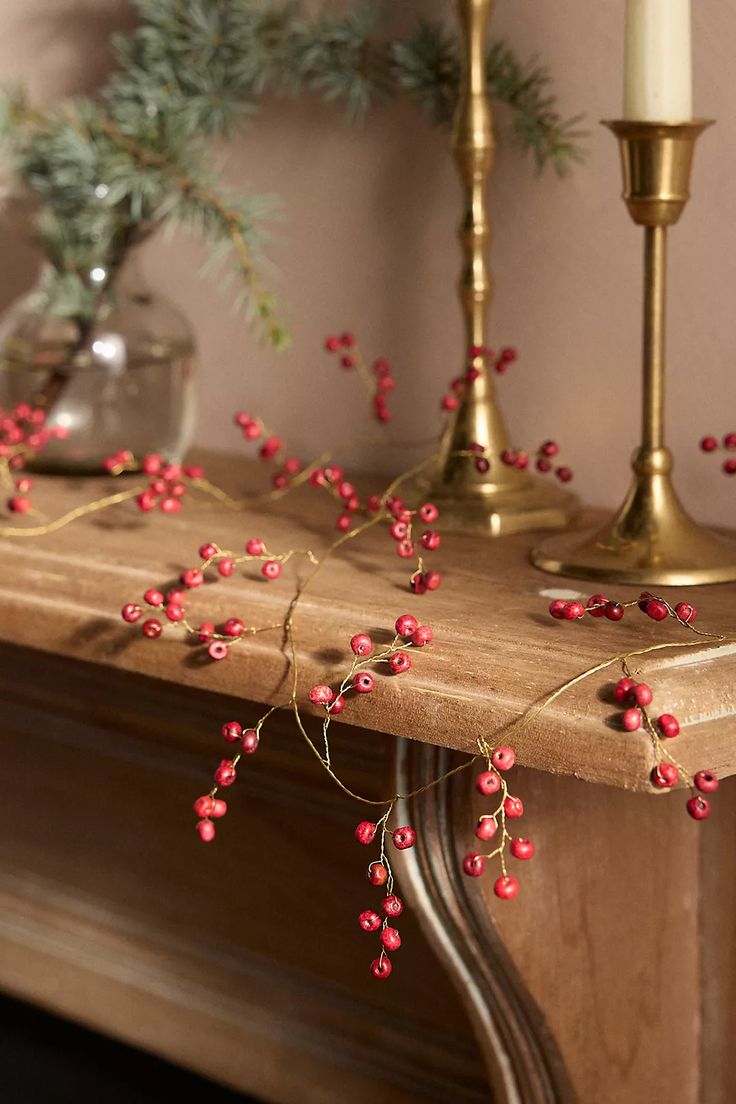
x: 685, y: 612
x: 392, y: 905
x: 321, y: 695
x: 509, y: 458
x: 192, y: 577
x: 729, y: 466
x: 151, y: 628
x: 18, y: 504
x: 131, y: 613
x: 170, y: 505
x: 503, y: 758
x: 369, y: 920
x: 421, y: 636
x: 708, y: 444
x: 482, y: 465
x: 624, y: 686
x: 706, y: 781
x: 271, y: 569
x: 428, y: 513
x: 225, y: 774
x: 406, y: 625
x: 250, y: 741
x: 343, y: 523
x: 574, y: 611
x: 596, y: 605
x: 347, y: 340
x: 377, y: 874
x: 206, y: 830
x: 506, y: 887
x: 417, y: 583
x: 614, y: 611
x: 431, y: 540
x: 207, y: 551
x: 564, y: 475
x: 337, y: 706
x: 486, y: 828
x: 449, y: 403
x: 381, y: 967
x: 513, y: 807
x: 205, y: 632
x: 204, y: 805
x: 656, y: 609
x: 365, y: 833
x: 549, y: 448
x: 174, y: 611
x: 698, y: 807
x: 217, y: 649
x: 643, y: 694
x: 361, y: 644
x: 153, y: 597
x: 432, y: 579
x: 364, y: 683
x: 665, y: 776
x: 729, y: 441
x: 226, y: 567
x: 399, y: 662
x: 232, y: 731
x: 488, y: 783
x: 255, y: 547
x: 474, y: 864
x: 175, y: 597
x: 557, y: 609
x: 543, y: 465
x: 669, y: 726
x: 631, y: 720
x: 219, y: 808
x: 391, y: 939
x: 404, y: 838
x: 233, y: 627
x: 332, y: 344
x: 522, y: 848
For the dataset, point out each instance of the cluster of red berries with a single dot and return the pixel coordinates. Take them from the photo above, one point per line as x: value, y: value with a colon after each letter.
x: 380, y: 874
x: 209, y: 807
x: 487, y: 357
x: 409, y: 633
x: 171, y: 602
x: 491, y: 783
x: 728, y: 443
x: 332, y: 479
x: 253, y: 429
x: 23, y: 435
x: 168, y: 481
x: 544, y: 462
x: 379, y: 385
x: 637, y: 697
x: 600, y: 606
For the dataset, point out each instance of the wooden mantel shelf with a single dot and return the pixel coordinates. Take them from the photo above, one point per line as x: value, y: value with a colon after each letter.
x: 254, y: 971
x: 496, y: 652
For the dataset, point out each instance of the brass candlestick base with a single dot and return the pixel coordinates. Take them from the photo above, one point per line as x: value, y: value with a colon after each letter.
x: 651, y: 539
x: 503, y: 499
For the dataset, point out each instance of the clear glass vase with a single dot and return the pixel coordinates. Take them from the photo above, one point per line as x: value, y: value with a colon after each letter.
x: 123, y: 379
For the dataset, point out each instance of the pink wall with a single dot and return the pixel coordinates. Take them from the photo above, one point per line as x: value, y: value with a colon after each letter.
x: 368, y: 242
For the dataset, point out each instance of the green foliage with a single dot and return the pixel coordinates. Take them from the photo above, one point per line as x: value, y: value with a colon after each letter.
x: 108, y: 170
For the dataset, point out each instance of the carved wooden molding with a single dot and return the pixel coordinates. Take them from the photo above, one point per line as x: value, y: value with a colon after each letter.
x: 523, y: 1062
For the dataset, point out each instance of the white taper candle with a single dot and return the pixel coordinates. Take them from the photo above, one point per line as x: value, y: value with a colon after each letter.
x: 658, y: 61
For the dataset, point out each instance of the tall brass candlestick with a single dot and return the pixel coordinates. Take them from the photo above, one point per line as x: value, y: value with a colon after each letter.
x: 504, y: 499
x: 651, y: 539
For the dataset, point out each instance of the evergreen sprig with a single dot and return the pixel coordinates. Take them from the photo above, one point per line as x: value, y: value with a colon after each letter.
x: 139, y: 154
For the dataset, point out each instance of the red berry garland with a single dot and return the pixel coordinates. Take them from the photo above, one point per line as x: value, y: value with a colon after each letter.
x: 506, y: 807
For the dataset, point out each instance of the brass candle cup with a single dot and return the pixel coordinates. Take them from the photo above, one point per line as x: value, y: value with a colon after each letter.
x: 652, y: 539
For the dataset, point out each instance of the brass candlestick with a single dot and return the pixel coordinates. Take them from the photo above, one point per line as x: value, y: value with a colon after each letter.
x: 504, y: 499
x: 651, y: 539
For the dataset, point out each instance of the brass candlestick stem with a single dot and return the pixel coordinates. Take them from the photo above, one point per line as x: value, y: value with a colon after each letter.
x: 651, y: 539
x: 504, y: 499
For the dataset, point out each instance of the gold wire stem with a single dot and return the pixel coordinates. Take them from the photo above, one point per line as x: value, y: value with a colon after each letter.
x: 651, y: 540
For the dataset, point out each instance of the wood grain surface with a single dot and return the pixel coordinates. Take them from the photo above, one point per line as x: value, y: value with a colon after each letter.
x: 495, y: 653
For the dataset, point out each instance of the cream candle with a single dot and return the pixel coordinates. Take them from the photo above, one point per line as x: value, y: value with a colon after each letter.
x: 658, y: 61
